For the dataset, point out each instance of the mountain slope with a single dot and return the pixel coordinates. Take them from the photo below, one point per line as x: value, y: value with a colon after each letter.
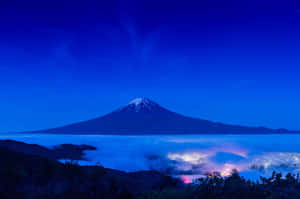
x: 143, y: 116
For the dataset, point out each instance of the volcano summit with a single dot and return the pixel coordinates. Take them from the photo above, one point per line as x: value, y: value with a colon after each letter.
x: 143, y: 116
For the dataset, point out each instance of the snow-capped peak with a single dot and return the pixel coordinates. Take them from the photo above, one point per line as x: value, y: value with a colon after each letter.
x: 140, y: 100
x: 141, y: 103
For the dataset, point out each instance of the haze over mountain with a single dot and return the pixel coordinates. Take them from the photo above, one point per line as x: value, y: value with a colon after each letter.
x: 143, y: 116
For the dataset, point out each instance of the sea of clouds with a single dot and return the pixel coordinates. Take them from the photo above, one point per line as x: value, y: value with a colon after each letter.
x: 185, y: 156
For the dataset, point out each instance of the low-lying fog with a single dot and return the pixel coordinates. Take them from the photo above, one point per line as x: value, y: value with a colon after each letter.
x: 186, y: 156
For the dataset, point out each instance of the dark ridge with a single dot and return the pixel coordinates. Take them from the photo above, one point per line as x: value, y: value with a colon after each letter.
x: 64, y: 151
x: 24, y: 176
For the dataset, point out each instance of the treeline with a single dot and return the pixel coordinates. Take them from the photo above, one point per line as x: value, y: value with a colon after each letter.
x: 234, y: 187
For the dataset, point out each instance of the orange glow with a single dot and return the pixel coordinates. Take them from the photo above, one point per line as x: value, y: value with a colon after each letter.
x: 186, y: 180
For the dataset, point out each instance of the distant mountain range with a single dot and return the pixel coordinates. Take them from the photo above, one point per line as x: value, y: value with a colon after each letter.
x: 143, y: 116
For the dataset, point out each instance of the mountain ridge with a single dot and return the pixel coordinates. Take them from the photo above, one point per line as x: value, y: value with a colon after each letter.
x: 143, y: 116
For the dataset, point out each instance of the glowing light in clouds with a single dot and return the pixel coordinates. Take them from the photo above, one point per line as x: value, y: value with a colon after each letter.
x: 192, y: 158
x: 275, y: 160
x: 227, y: 170
x: 203, y: 163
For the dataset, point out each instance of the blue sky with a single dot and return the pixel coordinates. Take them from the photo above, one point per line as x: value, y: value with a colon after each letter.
x: 231, y: 61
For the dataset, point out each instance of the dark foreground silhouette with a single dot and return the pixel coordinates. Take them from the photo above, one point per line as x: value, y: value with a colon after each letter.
x: 234, y: 187
x: 30, y: 176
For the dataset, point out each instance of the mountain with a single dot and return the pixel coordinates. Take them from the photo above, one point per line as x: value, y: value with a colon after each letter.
x: 143, y: 116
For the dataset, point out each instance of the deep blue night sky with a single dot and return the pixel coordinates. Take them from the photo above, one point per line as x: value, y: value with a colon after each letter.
x: 231, y: 61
